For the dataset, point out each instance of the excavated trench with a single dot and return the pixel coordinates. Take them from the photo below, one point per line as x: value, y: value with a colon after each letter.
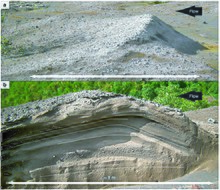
x: 92, y: 136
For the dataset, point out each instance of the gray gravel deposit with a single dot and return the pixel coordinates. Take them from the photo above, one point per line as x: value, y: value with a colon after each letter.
x: 109, y: 38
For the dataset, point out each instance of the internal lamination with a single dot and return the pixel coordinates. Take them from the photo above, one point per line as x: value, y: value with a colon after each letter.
x: 87, y: 139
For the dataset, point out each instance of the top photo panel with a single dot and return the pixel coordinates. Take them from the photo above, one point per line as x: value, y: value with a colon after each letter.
x: 147, y: 40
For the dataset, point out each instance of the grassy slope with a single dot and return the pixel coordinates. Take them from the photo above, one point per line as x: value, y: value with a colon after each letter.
x: 165, y: 93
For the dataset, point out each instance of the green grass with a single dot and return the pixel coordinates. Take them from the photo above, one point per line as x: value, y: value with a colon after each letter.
x: 131, y: 55
x: 2, y: 18
x: 3, y: 15
x: 124, y: 5
x: 158, y: 2
x: 6, y: 47
x: 165, y: 93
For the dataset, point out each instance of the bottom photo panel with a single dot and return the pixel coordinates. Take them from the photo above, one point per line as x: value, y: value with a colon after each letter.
x: 110, y: 135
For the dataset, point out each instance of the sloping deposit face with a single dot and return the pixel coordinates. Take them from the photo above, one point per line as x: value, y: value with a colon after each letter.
x: 105, y: 42
x: 92, y: 136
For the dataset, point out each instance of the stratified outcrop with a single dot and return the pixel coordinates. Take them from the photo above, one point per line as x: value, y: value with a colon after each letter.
x: 93, y: 136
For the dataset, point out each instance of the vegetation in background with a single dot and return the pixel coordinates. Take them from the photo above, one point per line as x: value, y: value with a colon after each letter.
x: 124, y: 5
x: 3, y: 15
x: 5, y: 45
x: 157, y: 2
x: 165, y: 93
x: 131, y: 55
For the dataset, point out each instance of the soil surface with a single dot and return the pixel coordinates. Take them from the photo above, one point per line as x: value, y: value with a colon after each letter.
x: 206, y: 118
x: 109, y: 38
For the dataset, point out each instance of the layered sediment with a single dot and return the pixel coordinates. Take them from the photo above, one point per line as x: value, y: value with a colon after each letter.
x: 93, y: 136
